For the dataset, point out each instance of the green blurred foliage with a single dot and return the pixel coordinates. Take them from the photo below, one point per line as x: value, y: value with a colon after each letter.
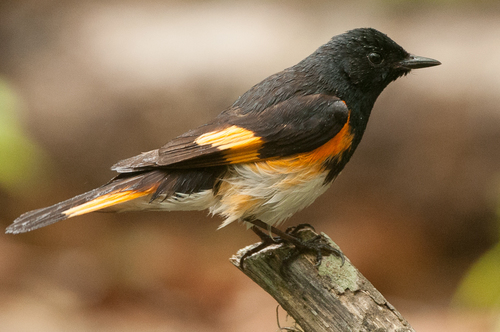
x: 481, y: 285
x: 21, y: 160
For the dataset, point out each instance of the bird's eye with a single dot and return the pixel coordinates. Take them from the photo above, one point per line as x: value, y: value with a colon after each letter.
x: 375, y: 58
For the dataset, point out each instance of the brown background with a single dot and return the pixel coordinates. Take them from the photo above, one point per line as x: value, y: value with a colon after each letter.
x: 100, y: 81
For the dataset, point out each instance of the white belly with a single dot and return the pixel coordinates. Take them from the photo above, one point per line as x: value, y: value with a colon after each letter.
x: 268, y: 192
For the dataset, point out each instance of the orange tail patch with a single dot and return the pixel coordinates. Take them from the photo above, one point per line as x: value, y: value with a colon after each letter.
x: 106, y: 201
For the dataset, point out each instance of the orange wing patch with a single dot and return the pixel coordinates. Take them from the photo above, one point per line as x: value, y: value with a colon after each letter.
x: 241, y: 145
x: 233, y: 137
x: 106, y: 201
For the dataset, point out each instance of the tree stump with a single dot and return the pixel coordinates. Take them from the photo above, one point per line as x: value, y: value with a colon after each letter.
x: 330, y: 297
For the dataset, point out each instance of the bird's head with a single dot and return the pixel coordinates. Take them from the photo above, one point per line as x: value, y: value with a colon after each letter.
x: 367, y: 60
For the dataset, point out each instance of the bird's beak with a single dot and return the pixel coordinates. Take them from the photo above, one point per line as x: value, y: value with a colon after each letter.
x: 415, y: 62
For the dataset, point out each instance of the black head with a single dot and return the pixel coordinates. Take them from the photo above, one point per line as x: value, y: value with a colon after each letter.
x: 365, y: 61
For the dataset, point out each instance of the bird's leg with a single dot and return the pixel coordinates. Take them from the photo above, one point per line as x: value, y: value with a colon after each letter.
x: 267, y: 240
x: 314, y: 245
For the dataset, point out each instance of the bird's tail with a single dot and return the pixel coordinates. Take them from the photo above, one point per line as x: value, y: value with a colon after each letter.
x: 119, y: 190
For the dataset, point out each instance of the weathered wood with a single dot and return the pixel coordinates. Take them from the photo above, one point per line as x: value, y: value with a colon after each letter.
x: 328, y: 298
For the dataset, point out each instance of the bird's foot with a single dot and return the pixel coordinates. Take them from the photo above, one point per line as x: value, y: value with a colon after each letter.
x: 317, y: 244
x: 293, y: 230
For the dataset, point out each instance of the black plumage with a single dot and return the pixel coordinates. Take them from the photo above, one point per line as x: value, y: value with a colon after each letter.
x: 318, y: 108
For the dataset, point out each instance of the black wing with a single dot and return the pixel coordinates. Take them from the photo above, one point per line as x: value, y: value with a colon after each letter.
x: 297, y: 125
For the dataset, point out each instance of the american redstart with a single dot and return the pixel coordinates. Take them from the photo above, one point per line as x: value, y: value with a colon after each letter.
x: 270, y: 154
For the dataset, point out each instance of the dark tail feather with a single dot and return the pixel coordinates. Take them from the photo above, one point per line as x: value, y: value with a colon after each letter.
x: 119, y: 190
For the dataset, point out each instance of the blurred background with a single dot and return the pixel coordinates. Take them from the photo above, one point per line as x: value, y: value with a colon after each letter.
x: 85, y: 84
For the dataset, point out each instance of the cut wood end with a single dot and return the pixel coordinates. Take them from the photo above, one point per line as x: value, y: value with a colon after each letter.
x: 235, y: 259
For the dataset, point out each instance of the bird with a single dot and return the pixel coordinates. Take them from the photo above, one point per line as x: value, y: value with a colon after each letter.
x: 270, y: 154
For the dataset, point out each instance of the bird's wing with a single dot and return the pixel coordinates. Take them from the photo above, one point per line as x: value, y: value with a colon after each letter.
x: 297, y: 125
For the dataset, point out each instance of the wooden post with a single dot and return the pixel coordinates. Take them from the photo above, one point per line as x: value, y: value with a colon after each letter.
x: 325, y: 298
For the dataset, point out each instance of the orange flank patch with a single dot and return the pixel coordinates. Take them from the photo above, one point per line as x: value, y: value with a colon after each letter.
x: 242, y: 143
x: 334, y: 147
x: 330, y: 150
x: 106, y: 201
